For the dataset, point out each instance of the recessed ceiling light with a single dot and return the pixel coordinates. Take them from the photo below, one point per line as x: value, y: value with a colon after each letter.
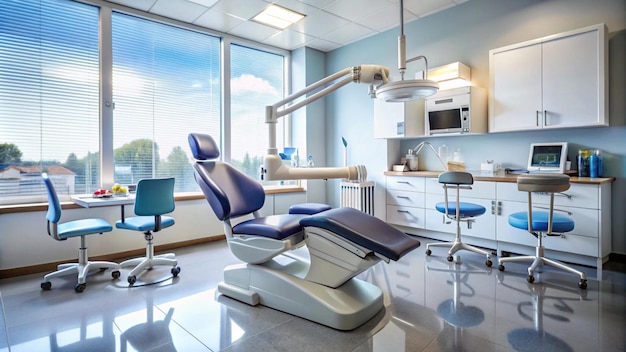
x: 278, y: 17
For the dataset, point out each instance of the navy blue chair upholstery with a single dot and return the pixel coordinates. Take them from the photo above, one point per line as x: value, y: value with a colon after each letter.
x: 77, y: 228
x: 540, y: 223
x: 153, y: 199
x: 458, y: 212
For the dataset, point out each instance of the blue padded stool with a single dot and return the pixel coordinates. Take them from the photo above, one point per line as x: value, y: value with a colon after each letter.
x: 308, y: 208
x: 540, y: 223
x: 466, y: 212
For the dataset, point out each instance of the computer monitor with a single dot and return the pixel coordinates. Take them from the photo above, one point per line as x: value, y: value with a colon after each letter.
x: 547, y: 157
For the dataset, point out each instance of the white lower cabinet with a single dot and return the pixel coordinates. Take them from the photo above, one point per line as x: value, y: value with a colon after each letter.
x: 411, y: 203
x: 405, y: 201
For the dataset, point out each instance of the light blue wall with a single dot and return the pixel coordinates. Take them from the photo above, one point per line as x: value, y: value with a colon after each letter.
x: 466, y: 33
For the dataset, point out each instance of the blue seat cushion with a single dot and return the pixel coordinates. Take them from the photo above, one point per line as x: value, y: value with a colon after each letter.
x: 143, y: 223
x: 308, y: 208
x: 274, y: 226
x: 467, y: 210
x: 364, y: 230
x: 560, y: 222
x: 83, y: 227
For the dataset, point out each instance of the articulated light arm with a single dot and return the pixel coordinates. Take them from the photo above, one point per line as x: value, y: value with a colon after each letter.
x: 273, y: 167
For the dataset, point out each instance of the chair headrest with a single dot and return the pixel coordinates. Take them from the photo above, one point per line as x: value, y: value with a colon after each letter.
x: 203, y: 147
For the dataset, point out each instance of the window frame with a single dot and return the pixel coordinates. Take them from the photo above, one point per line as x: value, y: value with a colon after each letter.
x: 107, y: 172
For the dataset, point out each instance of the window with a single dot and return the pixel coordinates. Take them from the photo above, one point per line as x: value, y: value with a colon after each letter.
x: 257, y: 80
x: 166, y: 84
x: 49, y: 98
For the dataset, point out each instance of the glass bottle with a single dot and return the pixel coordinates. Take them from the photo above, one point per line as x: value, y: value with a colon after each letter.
x: 583, y: 162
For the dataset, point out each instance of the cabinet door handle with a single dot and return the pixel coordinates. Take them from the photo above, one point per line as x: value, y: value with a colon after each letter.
x: 496, y: 208
x: 403, y: 211
x: 545, y: 117
x: 403, y: 197
x: 537, y: 118
x: 405, y: 182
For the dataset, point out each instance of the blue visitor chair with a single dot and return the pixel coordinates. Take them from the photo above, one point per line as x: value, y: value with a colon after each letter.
x: 77, y: 228
x: 540, y: 223
x: 467, y: 212
x: 154, y: 198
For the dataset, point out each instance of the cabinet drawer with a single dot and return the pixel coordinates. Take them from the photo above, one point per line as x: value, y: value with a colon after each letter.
x: 405, y: 198
x: 405, y: 216
x: 480, y: 189
x: 579, y: 195
x: 404, y: 183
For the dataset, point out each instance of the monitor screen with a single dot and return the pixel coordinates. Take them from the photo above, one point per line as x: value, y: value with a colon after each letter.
x: 548, y: 157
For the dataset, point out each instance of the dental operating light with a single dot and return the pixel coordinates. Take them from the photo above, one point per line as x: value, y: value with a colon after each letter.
x: 406, y: 90
x: 380, y: 87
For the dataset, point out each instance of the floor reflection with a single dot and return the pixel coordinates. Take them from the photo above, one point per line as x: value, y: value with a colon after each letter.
x: 464, y: 309
x: 540, y: 307
x: 97, y: 337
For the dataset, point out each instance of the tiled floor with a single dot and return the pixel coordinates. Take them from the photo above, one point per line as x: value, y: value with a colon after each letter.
x: 430, y: 305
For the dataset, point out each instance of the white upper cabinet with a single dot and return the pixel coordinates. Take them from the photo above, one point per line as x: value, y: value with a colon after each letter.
x: 398, y: 120
x: 553, y: 82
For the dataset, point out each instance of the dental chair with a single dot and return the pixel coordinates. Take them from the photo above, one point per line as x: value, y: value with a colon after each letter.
x: 341, y: 242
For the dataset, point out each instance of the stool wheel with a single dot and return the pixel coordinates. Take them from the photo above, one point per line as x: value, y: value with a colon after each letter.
x: 115, y: 274
x: 488, y: 263
x: 501, y: 267
x: 46, y: 285
x: 429, y: 252
x: 582, y: 284
x: 450, y: 258
x: 530, y: 279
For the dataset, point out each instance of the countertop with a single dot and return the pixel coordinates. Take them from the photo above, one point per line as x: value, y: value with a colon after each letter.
x: 499, y: 178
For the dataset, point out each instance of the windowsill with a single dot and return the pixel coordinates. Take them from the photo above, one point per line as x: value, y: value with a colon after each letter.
x: 179, y: 197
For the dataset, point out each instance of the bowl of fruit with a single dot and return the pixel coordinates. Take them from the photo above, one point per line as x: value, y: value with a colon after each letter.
x: 102, y: 193
x: 119, y: 190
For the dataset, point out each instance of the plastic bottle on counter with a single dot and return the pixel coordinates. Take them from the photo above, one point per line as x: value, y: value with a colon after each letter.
x: 411, y: 160
x: 595, y: 164
x: 309, y: 161
x: 443, y: 153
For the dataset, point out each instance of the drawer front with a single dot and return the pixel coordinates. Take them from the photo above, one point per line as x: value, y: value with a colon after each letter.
x: 579, y: 195
x: 405, y: 183
x: 480, y: 189
x: 405, y: 216
x: 405, y: 198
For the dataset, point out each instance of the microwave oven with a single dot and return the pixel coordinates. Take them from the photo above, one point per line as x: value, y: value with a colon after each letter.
x: 456, y: 111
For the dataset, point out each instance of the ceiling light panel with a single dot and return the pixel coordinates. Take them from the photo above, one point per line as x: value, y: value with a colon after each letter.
x: 278, y: 17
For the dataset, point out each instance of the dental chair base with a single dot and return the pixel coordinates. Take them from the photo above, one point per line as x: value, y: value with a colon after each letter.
x: 281, y: 286
x: 342, y: 243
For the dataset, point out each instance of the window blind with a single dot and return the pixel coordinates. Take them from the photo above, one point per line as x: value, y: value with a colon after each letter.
x: 49, y: 98
x: 166, y: 84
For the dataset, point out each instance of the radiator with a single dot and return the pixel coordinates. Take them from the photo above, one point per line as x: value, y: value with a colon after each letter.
x: 358, y: 195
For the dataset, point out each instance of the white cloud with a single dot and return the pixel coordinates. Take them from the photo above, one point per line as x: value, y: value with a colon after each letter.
x: 247, y: 83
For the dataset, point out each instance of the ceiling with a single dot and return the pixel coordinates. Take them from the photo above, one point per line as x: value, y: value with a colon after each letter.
x: 328, y: 25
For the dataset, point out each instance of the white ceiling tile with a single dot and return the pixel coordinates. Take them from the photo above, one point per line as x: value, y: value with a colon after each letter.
x: 143, y: 5
x: 179, y: 10
x: 288, y: 39
x: 218, y: 21
x: 426, y: 7
x: 207, y: 3
x: 253, y: 31
x: 319, y: 23
x: 296, y: 5
x: 349, y: 33
x: 348, y: 10
x: 322, y: 45
x: 245, y: 9
x: 387, y: 17
x: 317, y: 3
